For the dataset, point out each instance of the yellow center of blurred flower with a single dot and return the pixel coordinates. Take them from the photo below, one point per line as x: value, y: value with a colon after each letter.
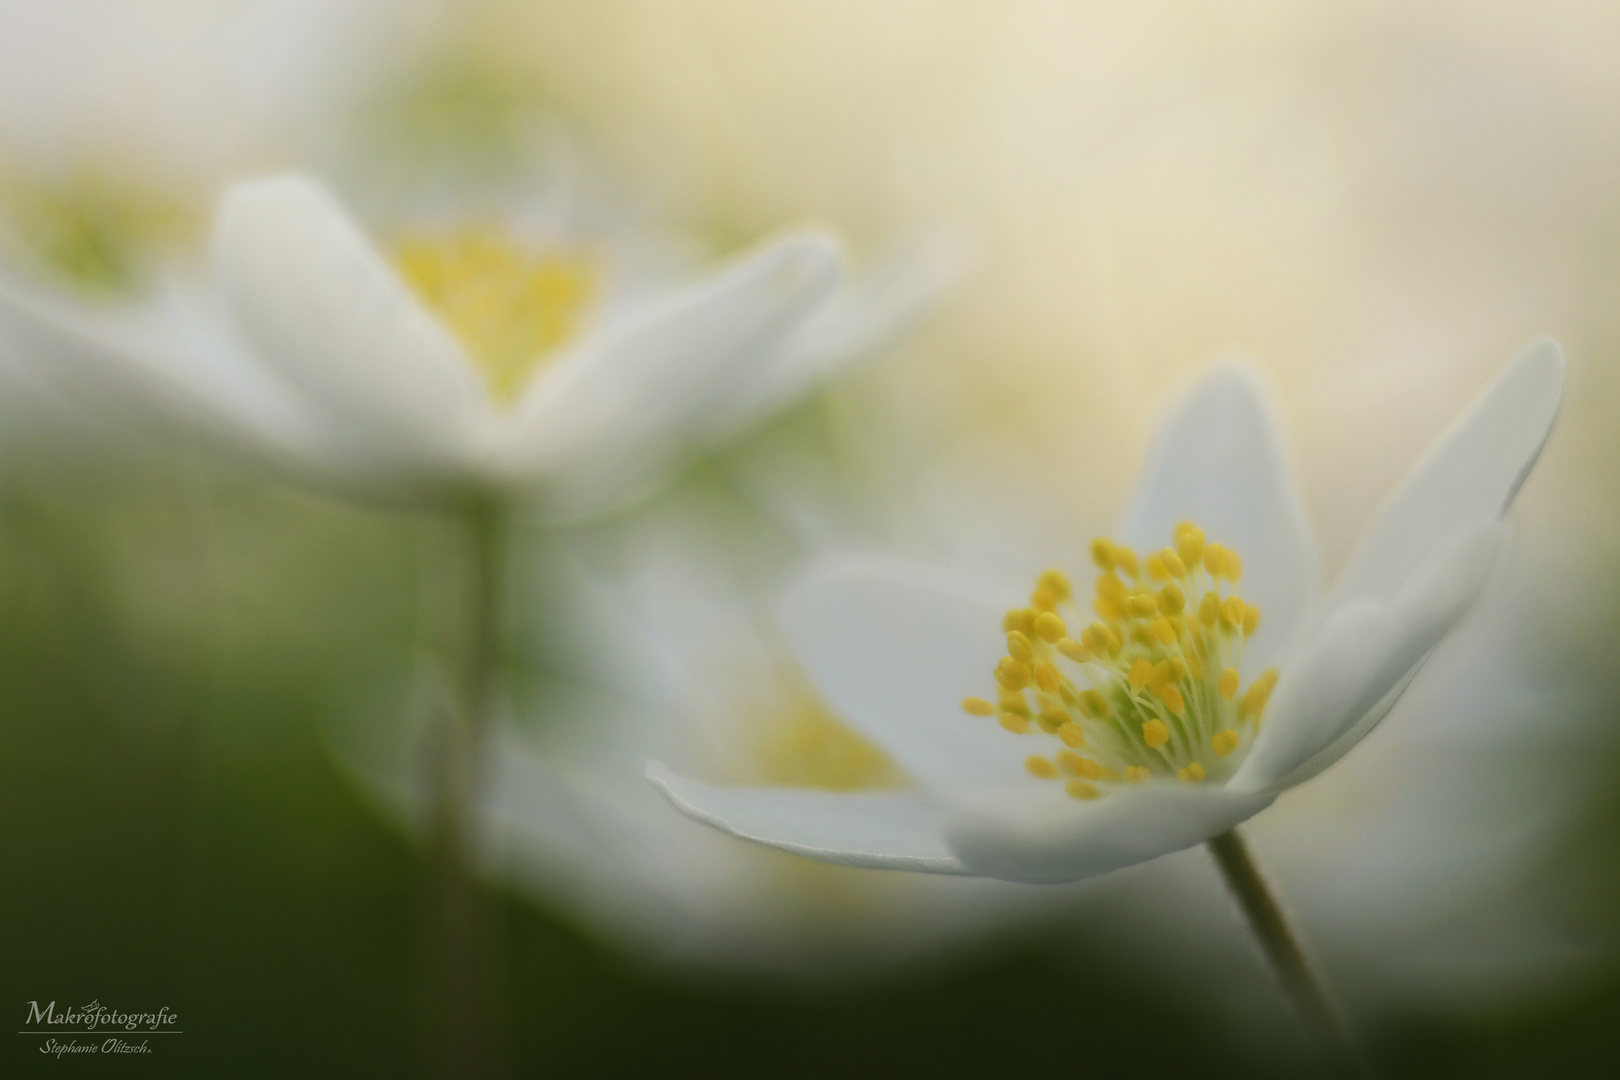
x: 509, y: 310
x: 806, y: 746
x: 89, y: 230
x: 1159, y: 667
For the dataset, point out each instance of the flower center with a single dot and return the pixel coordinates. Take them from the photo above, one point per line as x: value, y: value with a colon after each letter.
x: 1151, y: 687
x: 94, y: 233
x: 510, y: 310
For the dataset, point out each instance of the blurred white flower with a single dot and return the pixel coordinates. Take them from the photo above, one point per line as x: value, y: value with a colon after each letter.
x: 1174, y: 751
x: 461, y: 361
x: 659, y: 634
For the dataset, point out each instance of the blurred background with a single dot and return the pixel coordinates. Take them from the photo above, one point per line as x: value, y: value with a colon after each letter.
x: 1376, y: 204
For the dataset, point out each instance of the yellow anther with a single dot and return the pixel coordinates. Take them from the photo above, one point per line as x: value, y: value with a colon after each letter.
x: 1136, y: 773
x: 1142, y: 605
x: 1156, y: 568
x: 1172, y: 698
x: 1164, y: 630
x: 1041, y: 600
x: 1111, y: 587
x: 1108, y: 608
x: 1224, y: 742
x: 1178, y: 668
x: 1172, y: 562
x: 1014, y: 723
x: 1154, y: 733
x: 1251, y: 620
x: 1214, y: 559
x: 1055, y: 582
x: 1160, y: 675
x: 1050, y: 722
x: 1047, y: 678
x: 1013, y: 674
x: 1232, y: 609
x: 1228, y: 684
x: 1141, y: 635
x: 1172, y: 601
x: 1233, y: 566
x: 1072, y: 735
x: 1081, y: 790
x: 1209, y: 609
x: 1019, y: 619
x: 1102, y: 553
x: 977, y: 706
x: 1050, y: 628
x: 1125, y: 559
x: 1040, y: 768
x: 1114, y: 644
x: 1141, y: 672
x: 1191, y: 774
x: 1190, y: 543
x: 1013, y: 701
x: 1094, y: 705
x: 1018, y: 647
x: 1083, y: 767
x: 1256, y: 696
x: 1073, y: 650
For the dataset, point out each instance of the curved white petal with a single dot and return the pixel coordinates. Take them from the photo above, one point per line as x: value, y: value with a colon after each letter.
x: 146, y: 376
x: 1217, y: 461
x: 1361, y: 657
x: 1471, y: 474
x: 873, y: 830
x: 627, y: 401
x: 1047, y: 837
x: 864, y: 316
x: 327, y: 310
x: 893, y: 650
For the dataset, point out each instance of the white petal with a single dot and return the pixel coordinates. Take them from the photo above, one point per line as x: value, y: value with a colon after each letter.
x: 1357, y: 663
x: 1049, y: 837
x: 107, y: 360
x: 628, y: 400
x: 874, y: 830
x: 865, y: 315
x: 1471, y: 475
x: 1217, y: 462
x: 893, y: 650
x: 328, y: 311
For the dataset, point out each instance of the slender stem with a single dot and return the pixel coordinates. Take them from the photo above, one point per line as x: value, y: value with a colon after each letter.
x: 1283, y: 950
x: 467, y: 1048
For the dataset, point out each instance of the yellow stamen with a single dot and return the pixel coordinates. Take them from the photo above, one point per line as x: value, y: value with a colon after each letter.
x: 1021, y: 620
x: 1040, y: 768
x: 1224, y: 742
x: 1228, y: 684
x: 1172, y: 600
x: 1209, y: 609
x: 1012, y: 674
x: 1172, y: 563
x: 1080, y: 789
x: 1072, y: 735
x: 1214, y: 559
x: 1164, y: 631
x: 1154, y: 733
x: 1136, y: 773
x: 977, y: 706
x: 1142, y: 605
x: 1055, y: 582
x: 1125, y: 559
x: 506, y: 307
x: 1141, y: 671
x: 1047, y: 678
x: 1073, y: 650
x: 1251, y: 620
x: 1172, y: 699
x: 1018, y: 647
x: 1050, y: 628
x: 1190, y: 543
x: 1232, y: 609
x: 1042, y: 601
x: 1014, y: 723
x: 1156, y: 568
x: 1233, y: 568
x: 1083, y: 767
x: 1191, y: 774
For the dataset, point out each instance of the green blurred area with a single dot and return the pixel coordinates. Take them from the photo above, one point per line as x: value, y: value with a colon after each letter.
x: 175, y: 834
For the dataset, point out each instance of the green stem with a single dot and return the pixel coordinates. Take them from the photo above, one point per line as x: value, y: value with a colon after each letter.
x: 1283, y: 950
x: 467, y: 1048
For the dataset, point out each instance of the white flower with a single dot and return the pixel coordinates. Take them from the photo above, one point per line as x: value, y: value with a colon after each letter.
x: 1142, y: 734
x: 463, y: 362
